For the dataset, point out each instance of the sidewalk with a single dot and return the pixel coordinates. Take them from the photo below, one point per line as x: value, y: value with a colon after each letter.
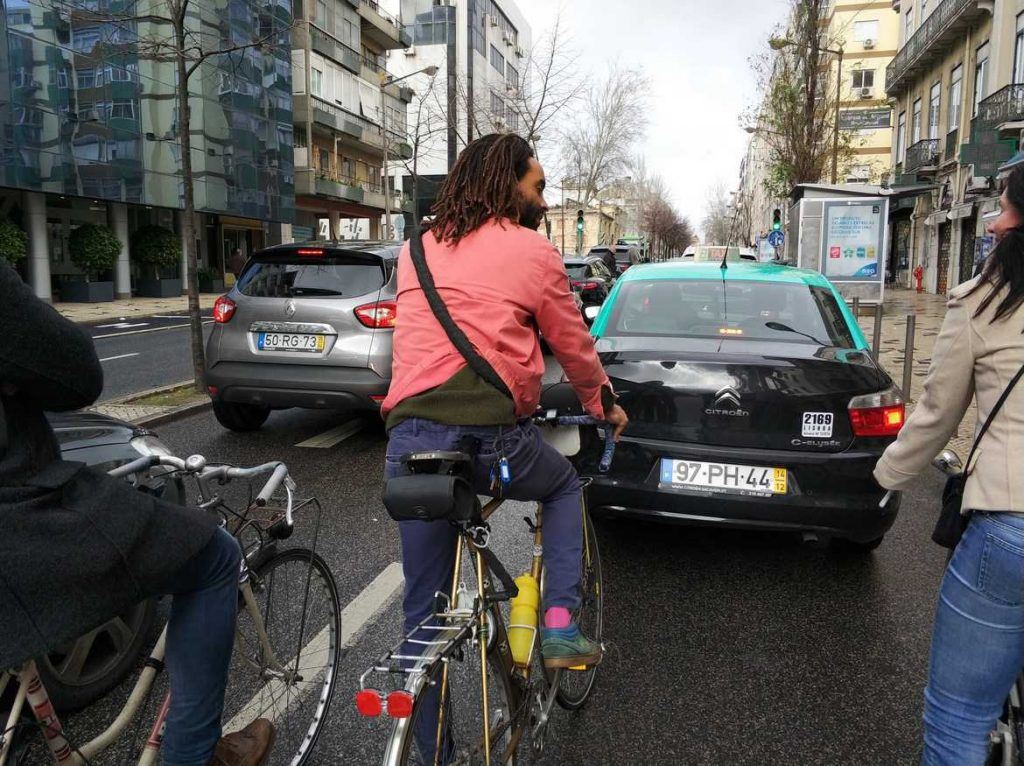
x: 930, y: 311
x: 130, y: 308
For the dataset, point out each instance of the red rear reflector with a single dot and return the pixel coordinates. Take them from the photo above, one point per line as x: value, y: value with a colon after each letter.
x: 212, y: 390
x: 310, y: 251
x: 400, y: 704
x: 380, y: 315
x: 878, y: 421
x: 223, y: 309
x: 369, y: 703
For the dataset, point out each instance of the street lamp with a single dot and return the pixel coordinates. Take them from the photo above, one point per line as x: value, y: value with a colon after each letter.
x: 385, y: 81
x: 778, y: 44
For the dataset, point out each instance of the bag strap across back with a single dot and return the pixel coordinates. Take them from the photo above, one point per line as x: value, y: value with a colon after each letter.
x: 991, y: 416
x: 476, y: 362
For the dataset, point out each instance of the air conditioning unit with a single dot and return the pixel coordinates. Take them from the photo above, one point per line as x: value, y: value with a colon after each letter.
x: 867, y: 92
x: 978, y: 184
x: 508, y: 39
x: 520, y: 52
x: 410, y: 51
x: 869, y: 44
x: 492, y: 20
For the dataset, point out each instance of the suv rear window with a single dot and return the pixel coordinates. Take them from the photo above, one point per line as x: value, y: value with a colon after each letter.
x: 741, y: 310
x: 289, y: 275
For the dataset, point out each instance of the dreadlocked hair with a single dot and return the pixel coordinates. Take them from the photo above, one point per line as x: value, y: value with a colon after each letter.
x: 482, y: 185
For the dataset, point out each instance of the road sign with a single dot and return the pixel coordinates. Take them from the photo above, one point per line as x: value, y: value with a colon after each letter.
x: 776, y: 239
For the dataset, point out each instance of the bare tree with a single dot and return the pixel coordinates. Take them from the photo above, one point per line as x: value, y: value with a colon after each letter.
x: 718, y: 222
x: 598, y: 146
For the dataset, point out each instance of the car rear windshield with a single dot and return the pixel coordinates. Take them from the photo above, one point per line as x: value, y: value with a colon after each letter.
x: 576, y: 271
x: 743, y: 310
x: 327, y: 276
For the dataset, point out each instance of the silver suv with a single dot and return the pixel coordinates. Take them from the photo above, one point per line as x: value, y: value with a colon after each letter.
x: 307, y: 325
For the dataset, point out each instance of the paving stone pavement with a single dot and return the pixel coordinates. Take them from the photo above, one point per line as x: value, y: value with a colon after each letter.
x: 130, y: 307
x: 930, y: 311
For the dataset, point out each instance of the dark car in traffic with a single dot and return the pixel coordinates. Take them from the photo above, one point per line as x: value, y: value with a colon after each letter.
x: 590, y: 279
x: 753, y: 402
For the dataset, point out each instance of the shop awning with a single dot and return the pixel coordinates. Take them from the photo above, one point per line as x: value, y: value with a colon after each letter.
x: 961, y: 211
x: 940, y: 216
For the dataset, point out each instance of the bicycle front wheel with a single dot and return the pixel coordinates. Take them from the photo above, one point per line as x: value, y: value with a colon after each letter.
x: 287, y: 651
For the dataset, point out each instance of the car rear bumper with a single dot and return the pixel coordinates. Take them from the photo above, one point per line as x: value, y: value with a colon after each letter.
x: 844, y: 506
x: 296, y: 385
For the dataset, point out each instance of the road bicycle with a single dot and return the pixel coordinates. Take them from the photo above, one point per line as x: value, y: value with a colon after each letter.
x: 1008, y: 735
x: 287, y: 643
x: 456, y: 687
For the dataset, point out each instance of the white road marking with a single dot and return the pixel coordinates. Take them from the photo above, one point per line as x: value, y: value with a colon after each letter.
x: 121, y: 325
x: 140, y: 332
x: 120, y: 356
x: 270, y: 701
x: 328, y: 439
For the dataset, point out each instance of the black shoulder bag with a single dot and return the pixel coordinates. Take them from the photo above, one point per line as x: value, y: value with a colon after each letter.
x: 952, y: 520
x: 476, y: 362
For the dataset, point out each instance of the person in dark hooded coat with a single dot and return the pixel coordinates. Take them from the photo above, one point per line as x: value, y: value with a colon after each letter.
x: 77, y: 547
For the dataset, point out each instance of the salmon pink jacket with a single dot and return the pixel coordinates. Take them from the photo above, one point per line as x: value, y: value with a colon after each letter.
x: 501, y: 284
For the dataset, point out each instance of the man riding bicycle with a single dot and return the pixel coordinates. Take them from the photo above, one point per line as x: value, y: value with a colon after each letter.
x: 78, y: 547
x: 502, y: 283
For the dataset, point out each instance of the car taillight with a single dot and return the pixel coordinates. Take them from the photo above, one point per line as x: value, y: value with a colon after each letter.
x: 585, y: 285
x: 379, y: 315
x: 881, y: 414
x: 223, y: 309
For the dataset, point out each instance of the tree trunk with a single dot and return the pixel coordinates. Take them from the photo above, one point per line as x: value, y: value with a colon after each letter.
x: 188, y: 212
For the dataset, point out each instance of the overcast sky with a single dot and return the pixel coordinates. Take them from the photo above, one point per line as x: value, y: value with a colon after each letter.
x: 695, y: 52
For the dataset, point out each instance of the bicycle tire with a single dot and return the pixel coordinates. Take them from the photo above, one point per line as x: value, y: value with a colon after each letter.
x: 403, y: 739
x: 312, y: 634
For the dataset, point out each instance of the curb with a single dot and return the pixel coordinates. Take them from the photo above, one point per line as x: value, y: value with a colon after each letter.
x: 136, y: 395
x: 174, y: 414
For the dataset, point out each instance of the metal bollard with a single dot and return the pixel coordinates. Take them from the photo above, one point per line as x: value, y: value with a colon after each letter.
x: 908, y: 355
x: 876, y: 340
x: 856, y: 308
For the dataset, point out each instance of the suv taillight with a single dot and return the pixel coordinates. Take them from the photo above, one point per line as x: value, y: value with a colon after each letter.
x: 585, y: 285
x: 881, y: 414
x: 380, y: 315
x: 223, y: 309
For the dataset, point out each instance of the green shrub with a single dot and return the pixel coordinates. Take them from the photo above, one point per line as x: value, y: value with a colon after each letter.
x: 13, y: 243
x: 93, y: 249
x: 156, y: 246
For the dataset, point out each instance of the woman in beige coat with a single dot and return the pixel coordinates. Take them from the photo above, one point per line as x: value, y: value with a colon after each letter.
x: 978, y: 639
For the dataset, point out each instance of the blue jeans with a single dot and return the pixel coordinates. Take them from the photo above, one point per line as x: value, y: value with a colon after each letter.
x: 978, y: 641
x: 200, y: 635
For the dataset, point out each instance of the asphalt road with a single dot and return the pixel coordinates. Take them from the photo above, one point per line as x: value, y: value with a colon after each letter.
x: 725, y: 647
x: 139, y: 354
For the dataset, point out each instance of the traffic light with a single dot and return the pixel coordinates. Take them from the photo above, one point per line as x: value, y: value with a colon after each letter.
x: 777, y: 220
x: 579, y: 221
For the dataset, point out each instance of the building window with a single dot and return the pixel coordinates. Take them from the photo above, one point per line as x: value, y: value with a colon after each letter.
x: 512, y: 76
x: 934, y: 104
x: 1018, y: 53
x: 924, y: 10
x: 956, y: 78
x: 863, y: 78
x: 908, y: 24
x: 980, y: 77
x: 915, y: 123
x: 497, y: 60
x: 321, y: 14
x: 497, y: 105
x: 316, y: 82
x: 901, y: 137
x: 865, y: 30
x: 512, y: 118
x: 123, y: 108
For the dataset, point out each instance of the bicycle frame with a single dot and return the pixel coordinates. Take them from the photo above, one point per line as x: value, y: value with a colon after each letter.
x: 32, y: 691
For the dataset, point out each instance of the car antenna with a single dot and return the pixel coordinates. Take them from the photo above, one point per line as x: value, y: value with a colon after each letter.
x: 723, y: 266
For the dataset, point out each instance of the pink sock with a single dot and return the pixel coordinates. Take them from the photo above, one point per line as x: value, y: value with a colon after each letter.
x: 556, y: 617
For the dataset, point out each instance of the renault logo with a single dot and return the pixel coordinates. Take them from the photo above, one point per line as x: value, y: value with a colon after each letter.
x: 727, y: 395
x: 290, y: 308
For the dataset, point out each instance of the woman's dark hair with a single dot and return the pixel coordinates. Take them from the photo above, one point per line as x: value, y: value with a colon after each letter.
x: 1005, y: 266
x: 481, y: 186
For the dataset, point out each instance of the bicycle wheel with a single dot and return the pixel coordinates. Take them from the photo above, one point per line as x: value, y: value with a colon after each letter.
x: 416, y: 739
x: 575, y: 686
x: 292, y: 680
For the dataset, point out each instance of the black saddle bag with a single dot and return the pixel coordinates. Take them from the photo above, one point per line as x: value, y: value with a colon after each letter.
x: 430, y: 497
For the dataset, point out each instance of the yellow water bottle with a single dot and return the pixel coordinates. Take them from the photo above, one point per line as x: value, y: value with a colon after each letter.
x: 522, y: 627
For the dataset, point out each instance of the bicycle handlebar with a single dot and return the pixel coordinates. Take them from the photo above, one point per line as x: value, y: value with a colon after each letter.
x: 272, y: 484
x: 607, y: 454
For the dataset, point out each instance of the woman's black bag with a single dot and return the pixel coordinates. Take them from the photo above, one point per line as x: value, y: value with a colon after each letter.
x: 952, y: 520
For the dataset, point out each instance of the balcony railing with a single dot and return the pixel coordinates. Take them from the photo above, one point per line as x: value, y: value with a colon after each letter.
x: 335, y: 49
x: 923, y: 154
x: 375, y: 7
x: 1006, y: 105
x: 936, y: 29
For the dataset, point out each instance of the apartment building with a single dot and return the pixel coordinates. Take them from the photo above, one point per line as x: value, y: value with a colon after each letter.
x: 88, y: 122
x: 481, y: 49
x: 957, y: 83
x: 348, y: 117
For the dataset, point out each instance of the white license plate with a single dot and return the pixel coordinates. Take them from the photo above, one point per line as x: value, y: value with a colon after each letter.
x: 723, y: 477
x: 287, y: 341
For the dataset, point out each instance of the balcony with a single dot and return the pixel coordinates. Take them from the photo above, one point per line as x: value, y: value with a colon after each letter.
x: 941, y: 30
x: 382, y: 28
x: 333, y: 49
x: 319, y: 183
x: 922, y: 156
x: 1003, y: 110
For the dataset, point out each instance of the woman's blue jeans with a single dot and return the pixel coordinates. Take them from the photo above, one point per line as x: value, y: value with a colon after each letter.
x: 978, y: 641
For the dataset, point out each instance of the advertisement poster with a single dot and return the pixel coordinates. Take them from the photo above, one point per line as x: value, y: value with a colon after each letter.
x: 853, y: 241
